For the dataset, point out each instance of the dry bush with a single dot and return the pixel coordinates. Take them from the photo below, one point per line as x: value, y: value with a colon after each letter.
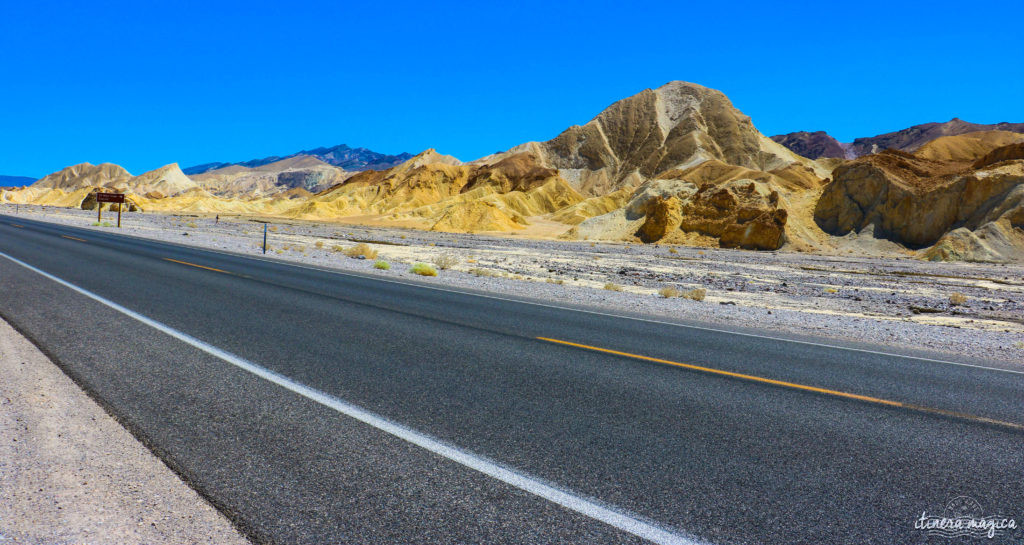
x: 191, y: 224
x: 361, y: 250
x: 612, y: 287
x: 957, y: 298
x: 482, y: 272
x: 445, y: 261
x: 423, y: 269
x: 273, y: 228
x: 558, y: 281
x: 673, y: 251
x: 831, y: 290
x: 668, y: 293
x: 695, y: 295
x: 319, y: 244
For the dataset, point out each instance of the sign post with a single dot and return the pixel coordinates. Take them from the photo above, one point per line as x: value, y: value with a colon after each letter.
x: 101, y: 198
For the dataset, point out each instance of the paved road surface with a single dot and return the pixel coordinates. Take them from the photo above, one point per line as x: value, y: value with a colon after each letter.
x: 318, y: 407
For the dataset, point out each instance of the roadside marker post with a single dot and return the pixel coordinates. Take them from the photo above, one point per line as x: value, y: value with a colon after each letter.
x: 264, y: 238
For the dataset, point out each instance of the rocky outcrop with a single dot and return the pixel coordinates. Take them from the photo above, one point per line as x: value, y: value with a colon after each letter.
x: 916, y: 201
x: 740, y: 217
x: 1012, y: 152
x: 663, y: 215
x: 813, y: 145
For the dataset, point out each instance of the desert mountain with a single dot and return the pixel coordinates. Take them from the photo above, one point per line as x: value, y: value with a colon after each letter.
x: 438, y: 192
x: 675, y: 126
x: 342, y: 156
x: 814, y: 145
x: 677, y: 164
x: 83, y: 175
x: 165, y: 181
x: 299, y: 172
x: 959, y: 197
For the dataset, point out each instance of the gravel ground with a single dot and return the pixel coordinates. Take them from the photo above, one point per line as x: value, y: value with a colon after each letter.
x: 901, y: 302
x: 70, y: 474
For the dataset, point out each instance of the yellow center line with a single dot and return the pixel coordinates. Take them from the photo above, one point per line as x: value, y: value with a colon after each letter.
x: 74, y: 238
x: 18, y: 226
x: 794, y: 385
x: 199, y: 266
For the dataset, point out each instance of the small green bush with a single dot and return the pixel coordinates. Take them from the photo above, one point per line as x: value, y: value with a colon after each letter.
x: 382, y: 265
x: 445, y: 261
x: 423, y: 269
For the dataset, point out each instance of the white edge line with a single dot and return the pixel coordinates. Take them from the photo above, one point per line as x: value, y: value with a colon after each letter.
x: 622, y: 520
x: 546, y: 305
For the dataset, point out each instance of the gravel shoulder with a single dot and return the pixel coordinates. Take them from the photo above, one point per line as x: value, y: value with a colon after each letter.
x: 903, y: 303
x: 70, y: 474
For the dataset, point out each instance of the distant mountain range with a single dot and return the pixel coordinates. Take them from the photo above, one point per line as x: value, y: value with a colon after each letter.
x: 16, y: 181
x: 814, y: 145
x: 343, y: 156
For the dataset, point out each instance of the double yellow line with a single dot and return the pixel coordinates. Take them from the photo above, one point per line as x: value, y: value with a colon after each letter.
x: 795, y: 386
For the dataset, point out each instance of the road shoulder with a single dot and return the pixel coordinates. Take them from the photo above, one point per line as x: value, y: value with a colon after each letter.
x: 70, y: 473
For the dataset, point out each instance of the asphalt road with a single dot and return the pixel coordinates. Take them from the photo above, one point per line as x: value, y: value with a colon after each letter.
x: 561, y: 425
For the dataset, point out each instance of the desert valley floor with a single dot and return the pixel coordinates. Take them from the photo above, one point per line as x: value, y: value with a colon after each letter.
x: 905, y: 303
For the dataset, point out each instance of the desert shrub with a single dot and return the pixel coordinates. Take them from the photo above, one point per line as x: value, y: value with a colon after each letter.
x: 612, y: 287
x: 558, y: 281
x: 957, y: 298
x: 191, y: 224
x: 445, y: 261
x: 423, y: 269
x: 695, y: 295
x: 668, y: 293
x: 361, y: 250
x: 831, y: 290
x: 272, y: 228
x: 673, y: 251
x: 319, y: 244
x: 382, y: 265
x: 475, y: 271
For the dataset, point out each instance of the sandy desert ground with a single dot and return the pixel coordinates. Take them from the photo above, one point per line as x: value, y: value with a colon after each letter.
x: 900, y: 302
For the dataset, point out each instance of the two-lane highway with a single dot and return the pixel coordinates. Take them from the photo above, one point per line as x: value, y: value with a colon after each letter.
x: 318, y: 407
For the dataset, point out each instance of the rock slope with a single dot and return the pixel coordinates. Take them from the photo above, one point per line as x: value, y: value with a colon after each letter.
x: 677, y: 125
x: 950, y: 209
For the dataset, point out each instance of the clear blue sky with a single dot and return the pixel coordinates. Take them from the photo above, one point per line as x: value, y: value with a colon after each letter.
x: 143, y: 84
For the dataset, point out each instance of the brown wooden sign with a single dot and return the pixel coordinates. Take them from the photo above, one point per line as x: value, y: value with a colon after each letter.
x: 110, y: 197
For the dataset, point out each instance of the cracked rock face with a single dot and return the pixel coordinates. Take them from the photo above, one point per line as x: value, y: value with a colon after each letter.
x: 739, y: 215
